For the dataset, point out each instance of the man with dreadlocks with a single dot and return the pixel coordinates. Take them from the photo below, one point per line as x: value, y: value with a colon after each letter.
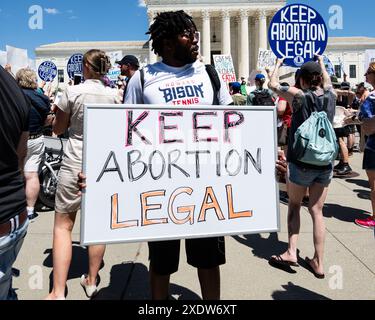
x: 174, y: 39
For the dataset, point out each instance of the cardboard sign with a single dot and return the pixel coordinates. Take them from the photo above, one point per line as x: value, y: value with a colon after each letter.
x: 225, y: 68
x: 47, y: 71
x: 160, y: 174
x: 266, y: 59
x: 75, y: 65
x: 297, y: 33
x: 17, y: 58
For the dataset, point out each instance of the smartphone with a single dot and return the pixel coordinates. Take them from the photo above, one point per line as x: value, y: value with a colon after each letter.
x: 77, y: 79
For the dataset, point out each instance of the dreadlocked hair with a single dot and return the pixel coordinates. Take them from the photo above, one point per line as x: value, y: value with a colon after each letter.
x: 168, y: 25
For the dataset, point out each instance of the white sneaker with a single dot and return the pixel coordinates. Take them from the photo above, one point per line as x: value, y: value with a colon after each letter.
x: 90, y: 290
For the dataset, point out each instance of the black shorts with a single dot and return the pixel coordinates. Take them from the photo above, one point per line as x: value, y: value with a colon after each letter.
x: 342, y: 132
x: 369, y: 160
x: 205, y: 253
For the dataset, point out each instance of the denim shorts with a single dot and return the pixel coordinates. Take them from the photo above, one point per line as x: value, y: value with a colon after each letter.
x: 10, y: 246
x: 307, y: 177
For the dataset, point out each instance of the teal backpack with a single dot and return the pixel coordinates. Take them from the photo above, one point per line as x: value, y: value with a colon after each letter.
x: 315, y: 140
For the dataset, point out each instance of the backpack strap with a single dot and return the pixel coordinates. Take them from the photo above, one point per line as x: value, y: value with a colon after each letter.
x: 215, y: 82
x: 142, y: 74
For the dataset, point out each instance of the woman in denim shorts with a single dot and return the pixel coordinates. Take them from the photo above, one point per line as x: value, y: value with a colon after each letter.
x: 314, y: 80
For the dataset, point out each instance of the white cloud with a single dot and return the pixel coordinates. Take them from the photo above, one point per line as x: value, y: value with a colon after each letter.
x: 51, y: 11
x: 73, y: 18
x: 141, y: 3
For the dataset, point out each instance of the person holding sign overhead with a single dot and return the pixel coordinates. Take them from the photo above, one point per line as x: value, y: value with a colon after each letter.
x: 174, y: 38
x: 69, y: 114
x: 316, y: 94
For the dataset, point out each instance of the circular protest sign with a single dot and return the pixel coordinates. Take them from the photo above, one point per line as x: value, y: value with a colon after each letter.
x: 75, y: 65
x: 47, y: 71
x: 297, y: 32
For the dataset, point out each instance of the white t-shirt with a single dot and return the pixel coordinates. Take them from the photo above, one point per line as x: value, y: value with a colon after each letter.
x: 180, y: 87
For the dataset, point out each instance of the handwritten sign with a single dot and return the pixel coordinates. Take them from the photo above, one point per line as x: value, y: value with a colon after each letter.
x: 225, y: 68
x: 47, y: 71
x: 159, y: 174
x: 75, y: 65
x: 266, y: 59
x: 297, y: 32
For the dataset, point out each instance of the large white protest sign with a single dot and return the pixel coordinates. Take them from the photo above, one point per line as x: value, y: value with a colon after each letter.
x: 225, y: 68
x: 369, y: 57
x: 156, y: 174
x: 17, y: 58
x: 3, y: 58
x: 266, y: 59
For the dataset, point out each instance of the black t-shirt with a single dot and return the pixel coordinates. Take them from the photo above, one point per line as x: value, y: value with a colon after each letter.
x: 14, y: 120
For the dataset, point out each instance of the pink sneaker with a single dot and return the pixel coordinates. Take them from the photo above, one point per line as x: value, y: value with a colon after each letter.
x: 368, y: 223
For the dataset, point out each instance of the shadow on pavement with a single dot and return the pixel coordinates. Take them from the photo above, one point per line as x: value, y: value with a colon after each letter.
x: 359, y: 182
x: 342, y: 213
x: 263, y: 247
x: 130, y: 281
x: 79, y: 265
x: 293, y: 292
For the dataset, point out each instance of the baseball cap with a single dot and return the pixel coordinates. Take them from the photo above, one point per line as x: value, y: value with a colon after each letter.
x: 129, y: 59
x: 311, y: 67
x: 345, y: 85
x: 236, y: 85
x: 260, y: 76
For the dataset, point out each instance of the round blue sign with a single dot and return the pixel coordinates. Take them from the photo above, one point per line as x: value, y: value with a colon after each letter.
x: 297, y: 32
x: 75, y: 65
x: 47, y: 71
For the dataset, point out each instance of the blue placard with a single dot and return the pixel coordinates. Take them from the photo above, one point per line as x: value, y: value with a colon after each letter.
x: 297, y: 33
x: 75, y: 65
x: 47, y: 71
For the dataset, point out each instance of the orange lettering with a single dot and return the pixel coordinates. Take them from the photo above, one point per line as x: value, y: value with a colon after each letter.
x: 186, y: 209
x: 146, y: 207
x: 232, y: 214
x: 214, y: 204
x: 115, y: 224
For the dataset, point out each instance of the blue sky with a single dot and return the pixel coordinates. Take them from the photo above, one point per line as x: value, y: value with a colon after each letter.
x: 84, y: 20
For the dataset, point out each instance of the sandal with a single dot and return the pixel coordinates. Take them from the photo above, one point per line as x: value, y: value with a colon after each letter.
x: 278, y: 260
x: 310, y: 268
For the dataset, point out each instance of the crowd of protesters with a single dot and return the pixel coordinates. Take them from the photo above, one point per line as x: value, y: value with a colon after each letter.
x: 25, y: 109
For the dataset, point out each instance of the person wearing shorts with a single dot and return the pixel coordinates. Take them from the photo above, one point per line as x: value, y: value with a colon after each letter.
x: 367, y: 115
x: 174, y: 38
x: 40, y: 108
x: 69, y: 114
x: 314, y: 81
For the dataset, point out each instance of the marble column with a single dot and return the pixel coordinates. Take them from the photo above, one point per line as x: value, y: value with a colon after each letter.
x: 152, y: 56
x: 225, y: 31
x: 206, y: 37
x: 263, y: 36
x: 244, y: 45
